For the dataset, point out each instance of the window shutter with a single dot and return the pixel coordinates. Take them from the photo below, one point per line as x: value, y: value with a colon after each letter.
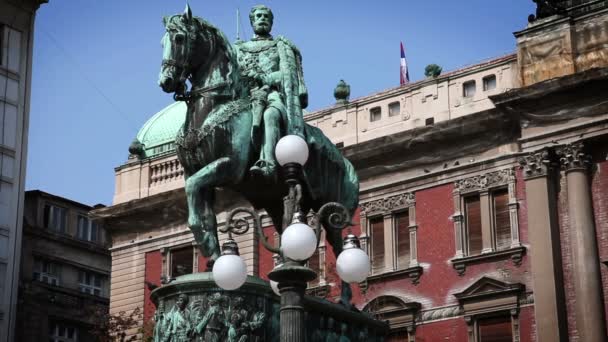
x: 313, y: 264
x: 473, y: 223
x: 377, y: 232
x: 502, y: 221
x: 403, y: 239
x: 495, y: 329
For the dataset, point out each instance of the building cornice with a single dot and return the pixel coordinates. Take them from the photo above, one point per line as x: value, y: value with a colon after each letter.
x: 449, y: 139
x: 564, y: 98
x: 64, y: 239
x: 412, y: 87
x: 170, y: 205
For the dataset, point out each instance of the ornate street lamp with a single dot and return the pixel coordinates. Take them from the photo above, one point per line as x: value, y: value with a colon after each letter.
x: 298, y: 243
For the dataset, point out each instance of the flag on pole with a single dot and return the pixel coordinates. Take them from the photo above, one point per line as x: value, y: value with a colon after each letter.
x: 405, y: 76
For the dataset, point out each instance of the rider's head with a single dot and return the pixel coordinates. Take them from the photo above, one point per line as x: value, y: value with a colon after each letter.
x: 261, y: 19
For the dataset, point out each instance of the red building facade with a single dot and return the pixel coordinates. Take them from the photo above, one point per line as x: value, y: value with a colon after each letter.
x: 483, y: 198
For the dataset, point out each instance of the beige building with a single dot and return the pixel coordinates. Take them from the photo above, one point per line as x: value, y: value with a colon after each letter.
x: 482, y: 200
x: 65, y: 266
x: 16, y: 40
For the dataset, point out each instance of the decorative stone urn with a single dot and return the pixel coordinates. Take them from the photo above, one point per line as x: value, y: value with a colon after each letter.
x: 342, y: 93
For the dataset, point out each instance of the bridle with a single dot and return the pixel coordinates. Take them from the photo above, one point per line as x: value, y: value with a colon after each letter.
x: 181, y: 94
x: 197, y: 93
x: 182, y: 67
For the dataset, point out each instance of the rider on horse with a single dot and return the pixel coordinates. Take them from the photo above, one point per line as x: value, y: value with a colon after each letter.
x: 273, y: 71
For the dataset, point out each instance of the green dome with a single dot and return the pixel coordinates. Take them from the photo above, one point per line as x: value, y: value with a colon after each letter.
x: 159, y: 132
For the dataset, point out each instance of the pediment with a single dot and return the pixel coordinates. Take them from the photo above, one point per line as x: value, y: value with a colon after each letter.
x: 487, y: 286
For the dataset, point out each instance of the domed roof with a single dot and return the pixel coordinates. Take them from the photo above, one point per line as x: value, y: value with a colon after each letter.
x: 159, y: 132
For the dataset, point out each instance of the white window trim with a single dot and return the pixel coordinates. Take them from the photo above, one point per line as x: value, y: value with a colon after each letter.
x: 90, y: 288
x: 88, y: 229
x: 483, y: 184
x: 55, y: 337
x: 45, y: 277
x: 52, y: 213
x: 387, y: 208
x: 167, y: 260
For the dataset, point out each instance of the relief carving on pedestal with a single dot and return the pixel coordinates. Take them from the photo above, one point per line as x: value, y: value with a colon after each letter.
x: 213, y: 318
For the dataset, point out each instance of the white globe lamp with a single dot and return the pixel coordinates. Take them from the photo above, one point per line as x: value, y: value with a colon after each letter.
x: 275, y: 287
x: 353, y: 263
x: 298, y: 242
x: 291, y: 149
x: 229, y: 270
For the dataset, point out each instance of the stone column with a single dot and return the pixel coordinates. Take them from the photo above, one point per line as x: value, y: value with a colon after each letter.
x: 545, y: 254
x: 585, y: 257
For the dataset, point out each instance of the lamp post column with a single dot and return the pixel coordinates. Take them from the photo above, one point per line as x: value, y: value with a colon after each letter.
x: 292, y: 279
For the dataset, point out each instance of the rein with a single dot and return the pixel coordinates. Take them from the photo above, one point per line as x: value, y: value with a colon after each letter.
x: 196, y: 93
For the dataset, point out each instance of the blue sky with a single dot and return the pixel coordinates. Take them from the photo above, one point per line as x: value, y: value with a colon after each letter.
x: 96, y: 64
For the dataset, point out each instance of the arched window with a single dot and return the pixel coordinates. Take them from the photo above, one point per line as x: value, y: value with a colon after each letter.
x: 400, y: 314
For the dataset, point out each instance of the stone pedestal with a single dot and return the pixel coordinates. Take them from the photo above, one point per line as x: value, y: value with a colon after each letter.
x: 193, y: 308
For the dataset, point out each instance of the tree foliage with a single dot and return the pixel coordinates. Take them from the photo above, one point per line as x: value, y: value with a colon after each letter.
x: 114, y: 327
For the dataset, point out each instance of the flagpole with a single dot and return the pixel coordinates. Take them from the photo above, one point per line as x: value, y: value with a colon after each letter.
x: 238, y: 33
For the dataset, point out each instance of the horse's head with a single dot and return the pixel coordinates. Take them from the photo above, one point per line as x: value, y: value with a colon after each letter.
x: 180, y: 45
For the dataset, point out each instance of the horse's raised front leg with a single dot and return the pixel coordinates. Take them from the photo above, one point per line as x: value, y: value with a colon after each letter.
x: 200, y: 217
x: 200, y: 195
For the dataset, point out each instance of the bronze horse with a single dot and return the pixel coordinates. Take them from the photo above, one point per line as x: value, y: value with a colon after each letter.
x: 215, y: 147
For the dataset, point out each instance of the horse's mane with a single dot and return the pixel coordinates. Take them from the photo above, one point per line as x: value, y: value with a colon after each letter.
x: 202, y: 28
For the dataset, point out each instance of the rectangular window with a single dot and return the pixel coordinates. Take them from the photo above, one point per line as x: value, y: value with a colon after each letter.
x: 10, y: 88
x: 6, y: 202
x: 375, y: 114
x: 313, y: 264
x: 402, y: 222
x: 182, y: 261
x: 394, y: 109
x: 429, y: 121
x: 495, y: 329
x: 8, y: 166
x: 11, y: 49
x: 90, y: 282
x: 46, y: 271
x: 2, y: 279
x: 8, y: 124
x: 473, y: 224
x: 468, y: 89
x: 87, y: 229
x: 55, y: 218
x: 62, y: 332
x: 501, y: 218
x: 489, y: 82
x: 3, y: 246
x: 377, y: 237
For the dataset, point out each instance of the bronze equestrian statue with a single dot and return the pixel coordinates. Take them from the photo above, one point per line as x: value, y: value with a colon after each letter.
x: 225, y: 103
